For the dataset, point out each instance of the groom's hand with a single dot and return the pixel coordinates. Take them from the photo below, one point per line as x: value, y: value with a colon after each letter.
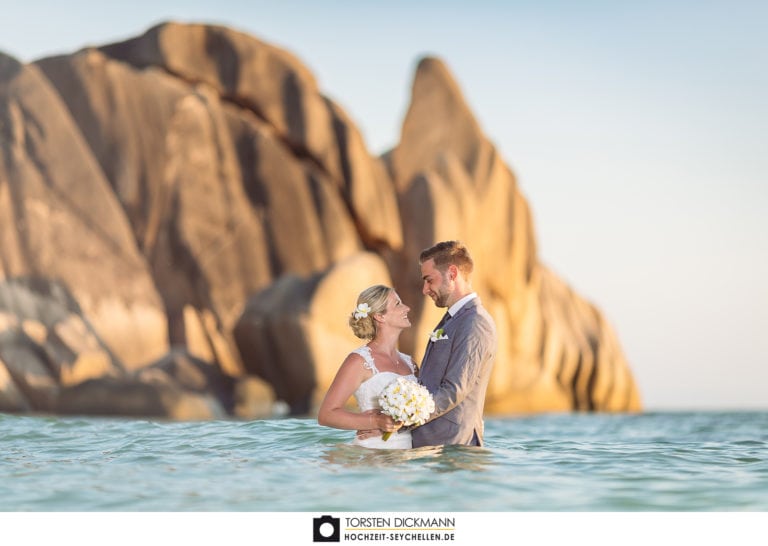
x: 383, y: 422
x: 369, y: 432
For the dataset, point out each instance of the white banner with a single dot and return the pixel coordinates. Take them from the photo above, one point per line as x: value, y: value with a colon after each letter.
x: 383, y: 528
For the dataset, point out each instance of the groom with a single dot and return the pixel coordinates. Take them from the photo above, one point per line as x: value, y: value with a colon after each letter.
x: 458, y: 359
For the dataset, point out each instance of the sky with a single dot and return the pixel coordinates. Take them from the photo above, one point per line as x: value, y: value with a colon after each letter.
x: 638, y: 132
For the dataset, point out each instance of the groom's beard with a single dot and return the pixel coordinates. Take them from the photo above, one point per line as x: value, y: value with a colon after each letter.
x: 441, y: 298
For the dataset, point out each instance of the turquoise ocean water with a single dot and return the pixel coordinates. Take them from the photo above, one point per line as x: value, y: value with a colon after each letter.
x: 675, y: 461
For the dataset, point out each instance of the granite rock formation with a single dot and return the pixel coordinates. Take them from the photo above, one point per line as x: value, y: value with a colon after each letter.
x: 556, y: 351
x: 212, y: 216
x: 59, y: 217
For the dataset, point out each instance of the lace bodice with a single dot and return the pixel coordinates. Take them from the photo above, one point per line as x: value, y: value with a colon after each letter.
x: 367, y: 396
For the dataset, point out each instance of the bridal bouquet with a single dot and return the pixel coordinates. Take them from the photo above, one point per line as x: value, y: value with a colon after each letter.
x: 406, y: 401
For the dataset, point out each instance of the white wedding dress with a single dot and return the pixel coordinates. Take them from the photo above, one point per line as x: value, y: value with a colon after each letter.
x: 367, y: 396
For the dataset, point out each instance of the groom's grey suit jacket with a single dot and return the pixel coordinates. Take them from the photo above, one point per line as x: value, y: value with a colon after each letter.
x: 456, y: 371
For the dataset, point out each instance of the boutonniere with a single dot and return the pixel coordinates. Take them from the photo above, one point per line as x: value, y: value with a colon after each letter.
x: 438, y: 335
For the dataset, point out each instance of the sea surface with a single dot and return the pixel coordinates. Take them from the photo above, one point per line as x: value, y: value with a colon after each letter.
x: 655, y: 461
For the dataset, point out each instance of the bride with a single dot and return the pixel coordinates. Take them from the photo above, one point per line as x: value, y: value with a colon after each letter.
x: 380, y: 317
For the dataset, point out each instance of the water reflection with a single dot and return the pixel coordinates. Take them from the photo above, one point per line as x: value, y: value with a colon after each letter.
x: 453, y: 458
x: 437, y: 458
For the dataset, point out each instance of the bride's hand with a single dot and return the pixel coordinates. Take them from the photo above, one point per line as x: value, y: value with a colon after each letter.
x: 387, y: 424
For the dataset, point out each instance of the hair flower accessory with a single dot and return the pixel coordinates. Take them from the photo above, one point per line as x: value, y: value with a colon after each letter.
x: 362, y: 310
x: 437, y: 335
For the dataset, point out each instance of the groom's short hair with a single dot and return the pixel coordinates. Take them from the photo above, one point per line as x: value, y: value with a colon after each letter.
x: 449, y: 253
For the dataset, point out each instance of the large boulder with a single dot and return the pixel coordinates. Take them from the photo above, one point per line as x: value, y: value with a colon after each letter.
x: 59, y: 218
x: 53, y: 361
x: 167, y: 152
x: 232, y: 167
x: 276, y: 87
x: 46, y: 343
x: 295, y: 335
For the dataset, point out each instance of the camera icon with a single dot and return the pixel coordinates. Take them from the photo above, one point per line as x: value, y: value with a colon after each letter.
x: 326, y: 529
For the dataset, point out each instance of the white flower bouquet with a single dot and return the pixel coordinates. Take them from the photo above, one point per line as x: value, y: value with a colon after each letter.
x: 406, y: 401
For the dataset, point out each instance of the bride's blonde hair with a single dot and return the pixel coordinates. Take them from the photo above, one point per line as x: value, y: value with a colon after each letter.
x: 376, y: 299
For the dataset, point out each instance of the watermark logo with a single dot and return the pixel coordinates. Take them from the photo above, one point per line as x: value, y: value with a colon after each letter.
x: 326, y: 529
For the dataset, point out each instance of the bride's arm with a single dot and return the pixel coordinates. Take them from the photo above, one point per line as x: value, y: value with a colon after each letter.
x: 332, y: 412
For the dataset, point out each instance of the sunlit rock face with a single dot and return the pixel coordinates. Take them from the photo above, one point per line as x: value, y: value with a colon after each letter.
x: 556, y: 351
x: 60, y: 218
x: 195, y: 193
